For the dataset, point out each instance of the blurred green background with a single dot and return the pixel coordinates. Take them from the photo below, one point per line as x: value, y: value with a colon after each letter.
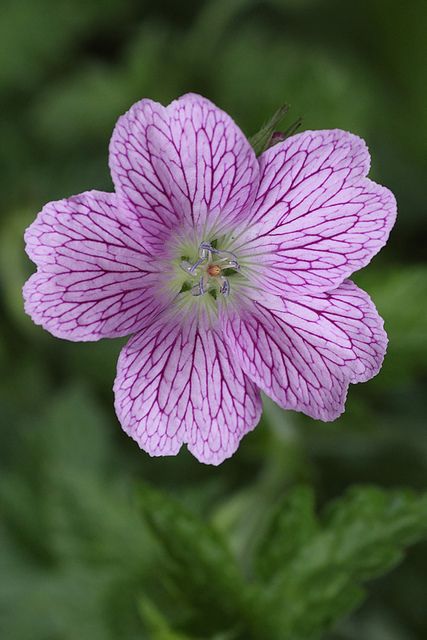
x: 87, y: 548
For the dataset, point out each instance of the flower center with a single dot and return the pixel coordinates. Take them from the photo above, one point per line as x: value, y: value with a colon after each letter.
x: 210, y: 272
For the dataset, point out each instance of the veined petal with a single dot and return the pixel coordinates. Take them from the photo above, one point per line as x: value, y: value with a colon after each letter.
x: 316, y: 218
x: 187, y: 164
x: 133, y: 170
x: 178, y: 383
x: 95, y: 278
x: 304, y: 352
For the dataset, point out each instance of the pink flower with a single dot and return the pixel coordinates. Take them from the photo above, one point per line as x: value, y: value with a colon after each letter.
x: 229, y: 270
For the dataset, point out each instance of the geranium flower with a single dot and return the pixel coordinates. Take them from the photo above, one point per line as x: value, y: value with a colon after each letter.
x: 229, y: 270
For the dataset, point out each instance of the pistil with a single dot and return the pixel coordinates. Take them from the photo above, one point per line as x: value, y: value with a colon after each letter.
x: 209, y: 267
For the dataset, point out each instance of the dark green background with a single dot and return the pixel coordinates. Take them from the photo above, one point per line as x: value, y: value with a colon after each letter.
x: 68, y: 69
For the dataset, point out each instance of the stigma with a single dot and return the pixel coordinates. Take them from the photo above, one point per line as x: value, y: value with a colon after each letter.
x: 214, y: 270
x: 210, y: 269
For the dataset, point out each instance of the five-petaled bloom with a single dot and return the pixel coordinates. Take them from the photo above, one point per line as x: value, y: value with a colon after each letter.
x: 230, y: 270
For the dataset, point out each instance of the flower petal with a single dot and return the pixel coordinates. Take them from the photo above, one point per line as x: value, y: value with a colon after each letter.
x: 304, y: 352
x: 185, y: 164
x: 95, y: 278
x: 178, y: 383
x: 316, y: 218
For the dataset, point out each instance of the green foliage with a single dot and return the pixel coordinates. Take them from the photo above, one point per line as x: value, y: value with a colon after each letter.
x: 72, y: 539
x: 401, y: 295
x: 36, y: 36
x: 78, y: 541
x: 156, y: 623
x: 317, y: 579
x: 292, y: 526
x: 310, y: 571
x: 200, y: 565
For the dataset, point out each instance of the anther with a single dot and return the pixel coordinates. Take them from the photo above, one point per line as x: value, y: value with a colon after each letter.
x: 223, y: 256
x: 226, y: 259
x: 225, y: 286
x: 185, y: 266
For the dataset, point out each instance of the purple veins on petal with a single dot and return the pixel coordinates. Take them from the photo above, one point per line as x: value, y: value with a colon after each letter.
x: 177, y: 383
x: 303, y: 353
x: 316, y: 217
x: 95, y: 277
x: 265, y: 306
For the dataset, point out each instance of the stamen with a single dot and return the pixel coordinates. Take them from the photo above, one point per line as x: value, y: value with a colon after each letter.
x: 225, y: 286
x: 186, y: 266
x: 223, y: 255
x: 206, y: 250
x: 202, y: 285
x: 197, y: 264
x: 200, y: 288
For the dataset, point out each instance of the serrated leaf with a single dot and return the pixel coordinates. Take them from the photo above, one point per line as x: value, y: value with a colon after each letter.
x: 199, y: 564
x: 378, y: 525
x: 319, y: 578
x: 293, y: 524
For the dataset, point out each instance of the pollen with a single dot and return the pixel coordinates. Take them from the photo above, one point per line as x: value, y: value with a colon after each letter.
x: 214, y: 270
x: 202, y: 270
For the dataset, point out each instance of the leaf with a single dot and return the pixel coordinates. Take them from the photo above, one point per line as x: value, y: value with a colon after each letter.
x: 76, y: 431
x: 374, y: 527
x: 293, y: 524
x: 74, y: 540
x: 199, y: 565
x: 400, y: 294
x: 156, y: 623
x: 319, y: 577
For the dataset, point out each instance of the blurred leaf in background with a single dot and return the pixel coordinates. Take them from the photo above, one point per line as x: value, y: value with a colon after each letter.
x: 89, y: 549
x: 86, y: 555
